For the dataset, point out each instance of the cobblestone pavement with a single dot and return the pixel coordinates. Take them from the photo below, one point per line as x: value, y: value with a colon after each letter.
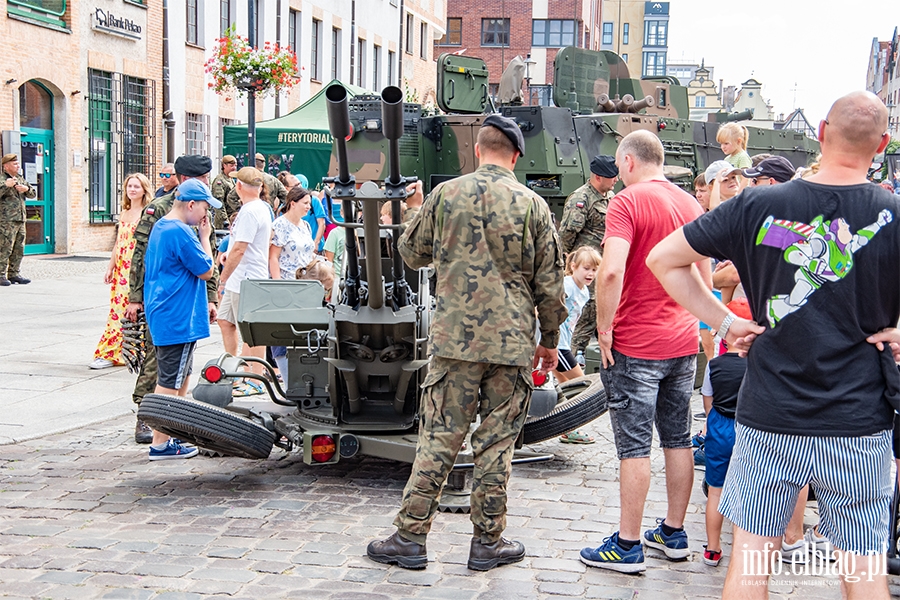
x: 85, y: 515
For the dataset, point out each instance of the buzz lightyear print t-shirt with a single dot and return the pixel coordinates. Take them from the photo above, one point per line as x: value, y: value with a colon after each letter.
x: 821, y: 268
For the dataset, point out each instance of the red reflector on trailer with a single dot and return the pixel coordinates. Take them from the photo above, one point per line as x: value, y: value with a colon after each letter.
x: 213, y: 374
x: 323, y: 448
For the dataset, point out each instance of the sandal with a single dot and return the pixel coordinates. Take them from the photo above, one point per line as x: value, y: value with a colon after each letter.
x: 576, y: 437
x: 247, y: 388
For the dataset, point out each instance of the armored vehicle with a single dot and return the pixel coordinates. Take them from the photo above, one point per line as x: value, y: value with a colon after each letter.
x: 596, y: 102
x: 355, y: 363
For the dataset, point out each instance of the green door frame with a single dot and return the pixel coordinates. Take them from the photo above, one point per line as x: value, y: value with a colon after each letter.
x: 42, y: 208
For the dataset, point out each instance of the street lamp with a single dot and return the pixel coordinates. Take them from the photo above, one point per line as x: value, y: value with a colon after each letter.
x: 529, y: 62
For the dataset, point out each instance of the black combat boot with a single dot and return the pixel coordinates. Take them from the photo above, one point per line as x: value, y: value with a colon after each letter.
x: 4, y: 281
x: 19, y: 279
x: 399, y: 551
x: 142, y: 433
x: 484, y: 557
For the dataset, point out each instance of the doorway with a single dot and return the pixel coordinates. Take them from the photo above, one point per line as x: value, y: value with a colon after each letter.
x: 36, y: 125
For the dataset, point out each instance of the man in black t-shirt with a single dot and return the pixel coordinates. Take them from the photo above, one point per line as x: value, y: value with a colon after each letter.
x: 816, y: 406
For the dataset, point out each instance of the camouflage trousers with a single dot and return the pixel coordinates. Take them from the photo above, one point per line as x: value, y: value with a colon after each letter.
x: 12, y: 247
x: 450, y: 402
x: 586, y: 327
x: 146, y: 381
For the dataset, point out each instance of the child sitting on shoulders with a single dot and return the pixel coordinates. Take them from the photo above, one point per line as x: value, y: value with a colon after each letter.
x: 733, y: 139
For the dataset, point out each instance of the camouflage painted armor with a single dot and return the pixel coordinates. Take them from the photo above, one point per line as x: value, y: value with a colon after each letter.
x: 584, y: 219
x: 12, y: 224
x: 275, y: 195
x: 153, y: 212
x: 497, y: 258
x: 221, y: 185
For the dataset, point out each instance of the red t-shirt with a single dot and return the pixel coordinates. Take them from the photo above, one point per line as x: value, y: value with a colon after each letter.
x: 648, y: 323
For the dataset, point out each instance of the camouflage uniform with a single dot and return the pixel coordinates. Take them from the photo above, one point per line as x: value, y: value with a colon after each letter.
x: 497, y: 257
x: 274, y: 190
x: 12, y: 224
x: 584, y: 224
x: 221, y: 185
x: 153, y: 212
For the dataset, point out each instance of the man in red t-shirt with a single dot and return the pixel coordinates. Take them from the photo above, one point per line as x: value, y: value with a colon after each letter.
x: 648, y: 349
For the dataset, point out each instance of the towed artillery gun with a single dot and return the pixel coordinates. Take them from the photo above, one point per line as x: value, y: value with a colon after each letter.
x: 354, y: 364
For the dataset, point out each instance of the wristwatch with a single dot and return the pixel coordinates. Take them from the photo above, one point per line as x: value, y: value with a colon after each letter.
x: 726, y: 324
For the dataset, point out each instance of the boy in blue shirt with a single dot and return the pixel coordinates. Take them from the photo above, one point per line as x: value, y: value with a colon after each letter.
x: 178, y: 262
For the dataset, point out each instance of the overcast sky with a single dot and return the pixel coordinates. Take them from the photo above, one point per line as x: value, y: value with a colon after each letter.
x: 819, y: 48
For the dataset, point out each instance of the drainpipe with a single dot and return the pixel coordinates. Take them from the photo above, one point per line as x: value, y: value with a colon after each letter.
x: 401, y: 49
x: 353, y: 43
x: 278, y: 43
x: 168, y: 120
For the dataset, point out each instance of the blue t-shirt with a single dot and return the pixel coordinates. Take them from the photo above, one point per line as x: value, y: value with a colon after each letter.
x: 575, y: 300
x: 316, y: 211
x: 174, y: 294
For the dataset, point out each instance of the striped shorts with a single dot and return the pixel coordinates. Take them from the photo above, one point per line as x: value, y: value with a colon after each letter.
x: 851, y: 477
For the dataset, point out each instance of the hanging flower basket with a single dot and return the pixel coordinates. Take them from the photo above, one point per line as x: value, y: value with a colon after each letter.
x: 236, y: 67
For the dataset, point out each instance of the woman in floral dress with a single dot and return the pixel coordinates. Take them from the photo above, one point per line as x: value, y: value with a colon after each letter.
x: 135, y: 197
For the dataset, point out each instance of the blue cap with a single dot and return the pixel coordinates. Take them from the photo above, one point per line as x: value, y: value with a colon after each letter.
x: 194, y: 189
x: 304, y: 182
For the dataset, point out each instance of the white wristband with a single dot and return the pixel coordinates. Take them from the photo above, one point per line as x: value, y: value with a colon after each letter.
x: 726, y: 324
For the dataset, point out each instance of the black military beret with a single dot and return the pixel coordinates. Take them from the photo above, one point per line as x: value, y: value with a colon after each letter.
x: 193, y: 165
x: 509, y: 129
x: 604, y: 165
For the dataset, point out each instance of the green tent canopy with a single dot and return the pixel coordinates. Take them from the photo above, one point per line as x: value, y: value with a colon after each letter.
x: 298, y: 142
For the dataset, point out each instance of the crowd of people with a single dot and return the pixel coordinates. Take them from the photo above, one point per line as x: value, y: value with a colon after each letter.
x: 793, y: 312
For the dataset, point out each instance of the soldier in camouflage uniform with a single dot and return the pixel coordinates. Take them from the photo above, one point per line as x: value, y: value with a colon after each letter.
x: 497, y: 257
x: 13, y: 191
x: 186, y: 167
x: 584, y: 224
x: 221, y: 185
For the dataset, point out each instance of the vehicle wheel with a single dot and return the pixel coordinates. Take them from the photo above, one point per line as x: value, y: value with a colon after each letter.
x: 206, y: 426
x: 584, y: 400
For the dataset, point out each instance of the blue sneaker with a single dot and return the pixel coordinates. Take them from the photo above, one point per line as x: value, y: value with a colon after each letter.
x: 674, y: 546
x: 172, y: 450
x: 698, y: 440
x: 700, y: 459
x: 611, y: 556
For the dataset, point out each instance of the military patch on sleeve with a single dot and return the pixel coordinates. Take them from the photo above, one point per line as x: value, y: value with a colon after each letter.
x: 579, y: 204
x: 150, y: 210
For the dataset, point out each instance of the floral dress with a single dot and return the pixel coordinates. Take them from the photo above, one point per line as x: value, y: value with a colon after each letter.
x: 110, y: 346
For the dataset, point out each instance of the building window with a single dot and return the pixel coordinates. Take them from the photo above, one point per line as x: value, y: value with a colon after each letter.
x: 390, y: 68
x: 453, y: 37
x: 541, y: 95
x: 625, y: 57
x: 552, y: 33
x: 700, y: 101
x: 315, y: 51
x: 335, y: 52
x: 626, y: 33
x: 50, y: 12
x: 294, y: 23
x: 495, y: 32
x: 654, y: 64
x: 196, y: 134
x: 607, y: 34
x: 225, y: 15
x: 409, y: 33
x: 360, y: 62
x: 655, y: 33
x: 423, y: 40
x: 376, y: 67
x: 192, y: 22
x: 121, y: 122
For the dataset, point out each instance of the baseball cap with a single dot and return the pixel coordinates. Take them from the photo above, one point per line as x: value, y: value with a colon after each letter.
x: 260, y: 157
x: 304, y: 182
x: 228, y: 159
x: 250, y: 176
x: 718, y: 168
x: 509, y: 129
x: 9, y: 158
x: 777, y: 167
x: 194, y: 189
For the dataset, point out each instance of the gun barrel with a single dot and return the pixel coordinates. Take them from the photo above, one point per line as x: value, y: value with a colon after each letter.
x: 339, y: 126
x: 645, y: 102
x: 624, y: 105
x: 605, y: 103
x: 392, y: 126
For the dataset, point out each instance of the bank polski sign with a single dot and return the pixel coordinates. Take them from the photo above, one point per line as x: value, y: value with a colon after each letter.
x: 107, y: 22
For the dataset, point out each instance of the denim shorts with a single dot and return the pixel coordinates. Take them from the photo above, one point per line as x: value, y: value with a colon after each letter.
x: 640, y: 392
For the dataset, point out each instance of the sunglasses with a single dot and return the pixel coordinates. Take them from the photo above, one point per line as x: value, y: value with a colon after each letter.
x: 166, y: 175
x: 757, y: 180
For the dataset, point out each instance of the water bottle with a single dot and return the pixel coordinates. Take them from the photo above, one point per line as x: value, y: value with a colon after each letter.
x: 579, y: 358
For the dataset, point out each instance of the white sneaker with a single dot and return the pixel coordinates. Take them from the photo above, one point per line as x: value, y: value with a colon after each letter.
x: 101, y: 363
x: 822, y: 545
x: 794, y: 553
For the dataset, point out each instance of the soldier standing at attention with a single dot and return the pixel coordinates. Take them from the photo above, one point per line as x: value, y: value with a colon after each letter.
x: 186, y: 167
x: 496, y: 257
x: 221, y: 185
x: 12, y: 220
x: 584, y: 224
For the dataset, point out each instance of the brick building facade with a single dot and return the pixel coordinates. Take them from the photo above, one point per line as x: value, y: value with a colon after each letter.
x: 82, y: 87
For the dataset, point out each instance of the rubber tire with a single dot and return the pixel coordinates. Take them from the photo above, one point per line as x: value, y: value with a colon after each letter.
x: 571, y: 413
x: 206, y: 426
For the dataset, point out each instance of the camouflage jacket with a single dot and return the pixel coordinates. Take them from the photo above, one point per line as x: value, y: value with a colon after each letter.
x: 584, y: 218
x: 497, y: 257
x: 153, y: 212
x: 221, y: 185
x: 275, y: 194
x: 12, y: 201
